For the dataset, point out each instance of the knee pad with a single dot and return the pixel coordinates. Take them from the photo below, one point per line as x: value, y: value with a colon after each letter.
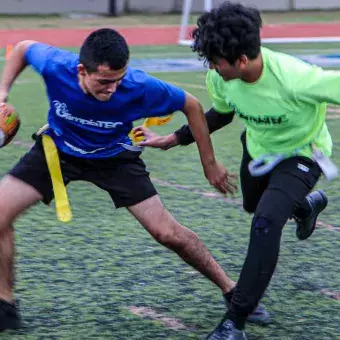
x: 266, y: 227
x: 261, y: 225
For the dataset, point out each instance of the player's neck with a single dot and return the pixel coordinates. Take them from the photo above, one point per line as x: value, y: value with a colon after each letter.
x: 254, y: 70
x: 82, y: 84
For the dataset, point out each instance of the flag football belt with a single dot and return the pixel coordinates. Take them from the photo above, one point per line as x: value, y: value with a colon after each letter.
x: 62, y: 203
x: 264, y: 164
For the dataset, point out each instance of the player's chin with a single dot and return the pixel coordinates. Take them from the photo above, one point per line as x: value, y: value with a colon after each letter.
x: 227, y: 78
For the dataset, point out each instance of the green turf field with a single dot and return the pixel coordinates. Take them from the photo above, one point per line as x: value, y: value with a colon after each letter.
x: 103, y: 277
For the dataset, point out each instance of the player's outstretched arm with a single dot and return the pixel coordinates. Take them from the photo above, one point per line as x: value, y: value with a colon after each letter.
x: 215, y: 121
x: 183, y: 136
x: 216, y: 173
x: 13, y: 67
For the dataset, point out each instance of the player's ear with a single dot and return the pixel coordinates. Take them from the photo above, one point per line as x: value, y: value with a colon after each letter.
x: 81, y: 69
x: 242, y: 61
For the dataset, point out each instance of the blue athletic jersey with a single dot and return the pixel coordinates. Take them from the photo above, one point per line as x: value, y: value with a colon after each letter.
x: 83, y: 126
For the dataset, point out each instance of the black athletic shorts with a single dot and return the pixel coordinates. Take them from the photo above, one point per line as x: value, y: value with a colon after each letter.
x: 295, y: 176
x: 123, y: 176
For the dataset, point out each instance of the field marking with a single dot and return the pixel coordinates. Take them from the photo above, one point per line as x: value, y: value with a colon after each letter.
x: 147, y: 55
x: 189, y: 54
x: 333, y: 109
x: 327, y: 226
x: 22, y: 143
x: 332, y: 294
x: 150, y: 313
x: 215, y: 195
x: 333, y: 117
x: 193, y: 86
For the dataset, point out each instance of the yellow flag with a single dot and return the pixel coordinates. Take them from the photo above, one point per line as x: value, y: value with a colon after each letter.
x: 60, y: 195
x: 152, y: 121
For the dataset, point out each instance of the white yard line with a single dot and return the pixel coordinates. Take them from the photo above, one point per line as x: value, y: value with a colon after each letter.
x: 215, y: 195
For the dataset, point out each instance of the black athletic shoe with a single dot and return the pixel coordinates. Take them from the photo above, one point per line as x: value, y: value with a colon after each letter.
x: 259, y: 316
x: 9, y: 316
x: 317, y: 201
x: 226, y: 331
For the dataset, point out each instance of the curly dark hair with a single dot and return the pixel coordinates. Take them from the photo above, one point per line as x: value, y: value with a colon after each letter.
x: 228, y: 31
x: 104, y: 47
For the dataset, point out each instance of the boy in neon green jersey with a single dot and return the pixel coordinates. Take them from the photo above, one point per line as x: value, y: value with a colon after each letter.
x: 286, y: 144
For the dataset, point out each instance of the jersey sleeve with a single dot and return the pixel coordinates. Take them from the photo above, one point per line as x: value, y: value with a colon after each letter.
x: 218, y: 100
x: 41, y: 57
x: 161, y: 98
x: 316, y: 85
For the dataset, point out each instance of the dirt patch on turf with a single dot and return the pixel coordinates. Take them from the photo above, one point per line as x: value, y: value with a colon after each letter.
x: 332, y: 294
x: 150, y: 313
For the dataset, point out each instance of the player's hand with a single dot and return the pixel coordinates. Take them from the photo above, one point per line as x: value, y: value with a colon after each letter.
x: 219, y: 177
x: 154, y: 140
x: 6, y: 108
x: 3, y: 97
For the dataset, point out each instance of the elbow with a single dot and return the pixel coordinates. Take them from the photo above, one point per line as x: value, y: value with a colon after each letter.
x: 192, y: 104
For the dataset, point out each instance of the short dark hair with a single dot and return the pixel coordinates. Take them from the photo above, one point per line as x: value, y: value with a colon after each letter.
x: 104, y: 47
x: 228, y: 31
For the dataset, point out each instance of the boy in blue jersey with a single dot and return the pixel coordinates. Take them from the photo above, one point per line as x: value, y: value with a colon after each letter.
x: 94, y: 98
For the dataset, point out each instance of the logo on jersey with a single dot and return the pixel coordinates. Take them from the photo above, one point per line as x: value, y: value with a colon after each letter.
x: 61, y: 110
x: 265, y: 119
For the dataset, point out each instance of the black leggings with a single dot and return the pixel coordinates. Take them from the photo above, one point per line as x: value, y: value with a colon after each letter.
x: 272, y: 198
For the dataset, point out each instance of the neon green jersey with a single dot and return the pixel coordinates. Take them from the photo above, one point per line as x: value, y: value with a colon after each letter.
x: 285, y: 109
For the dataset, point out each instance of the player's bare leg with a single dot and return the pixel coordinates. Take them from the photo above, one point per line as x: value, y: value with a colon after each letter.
x: 15, y: 197
x: 152, y: 214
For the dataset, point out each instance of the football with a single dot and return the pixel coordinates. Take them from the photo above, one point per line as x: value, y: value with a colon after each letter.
x: 9, y: 123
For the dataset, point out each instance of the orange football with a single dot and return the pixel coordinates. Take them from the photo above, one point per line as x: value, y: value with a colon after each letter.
x: 9, y: 123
